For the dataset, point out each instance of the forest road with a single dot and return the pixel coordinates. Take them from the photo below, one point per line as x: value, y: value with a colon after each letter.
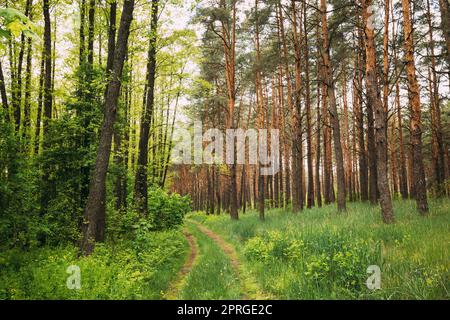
x: 177, y: 284
x: 228, y: 250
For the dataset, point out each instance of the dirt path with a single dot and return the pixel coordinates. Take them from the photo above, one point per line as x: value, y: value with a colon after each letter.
x: 229, y: 251
x: 177, y: 284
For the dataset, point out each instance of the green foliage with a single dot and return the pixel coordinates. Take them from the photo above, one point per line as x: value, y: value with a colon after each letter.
x: 111, y: 272
x: 333, y: 257
x: 166, y: 211
x: 19, y: 222
x: 14, y: 23
x: 69, y: 155
x: 274, y: 245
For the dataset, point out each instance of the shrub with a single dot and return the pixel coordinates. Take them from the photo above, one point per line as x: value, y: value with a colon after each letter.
x: 257, y: 248
x: 274, y: 245
x: 166, y: 211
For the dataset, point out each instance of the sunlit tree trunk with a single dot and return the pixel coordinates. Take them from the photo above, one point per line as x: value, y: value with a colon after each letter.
x: 415, y: 108
x: 436, y: 128
x: 310, y: 202
x: 297, y: 143
x: 374, y: 98
x: 334, y: 120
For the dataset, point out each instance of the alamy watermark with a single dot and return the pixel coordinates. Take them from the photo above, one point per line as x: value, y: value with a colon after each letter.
x: 216, y: 147
x: 374, y: 20
x: 373, y: 282
x: 73, y: 281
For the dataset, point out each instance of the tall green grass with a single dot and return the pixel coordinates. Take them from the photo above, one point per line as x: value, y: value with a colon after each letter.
x: 321, y: 254
x: 129, y: 270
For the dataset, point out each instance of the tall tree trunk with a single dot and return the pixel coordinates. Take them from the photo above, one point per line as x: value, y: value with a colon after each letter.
x: 229, y: 47
x: 309, y: 159
x: 81, y: 57
x: 16, y: 80
x: 374, y: 98
x: 403, y: 175
x: 415, y: 106
x: 37, y: 133
x: 444, y: 8
x: 275, y: 125
x: 371, y: 148
x: 55, y: 106
x: 346, y: 138
x: 359, y: 115
x: 27, y: 98
x: 91, y: 26
x: 394, y: 156
x: 111, y: 35
x: 141, y: 184
x: 260, y: 117
x: 290, y: 103
x: 282, y: 124
x: 327, y: 156
x: 438, y: 154
x: 94, y: 212
x: 297, y: 143
x: 45, y: 193
x: 3, y: 93
x: 318, y: 129
x: 333, y: 110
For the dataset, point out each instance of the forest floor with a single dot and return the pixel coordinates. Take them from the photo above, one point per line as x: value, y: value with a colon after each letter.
x: 321, y: 254
x: 315, y: 254
x: 212, y: 259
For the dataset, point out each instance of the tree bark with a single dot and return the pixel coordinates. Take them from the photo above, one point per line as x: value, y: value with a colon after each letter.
x: 403, y: 175
x: 309, y: 159
x: 141, y: 184
x: 374, y: 98
x: 3, y: 93
x: 48, y: 93
x: 37, y: 134
x: 415, y: 107
x: 91, y: 26
x: 333, y: 110
x: 357, y: 88
x: 260, y: 116
x: 444, y: 8
x: 94, y: 212
x: 438, y: 148
x: 318, y: 129
x: 297, y: 143
x: 27, y: 98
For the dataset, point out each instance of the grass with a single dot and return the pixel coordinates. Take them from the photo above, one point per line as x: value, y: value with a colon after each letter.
x: 321, y: 254
x: 315, y: 254
x: 212, y: 276
x: 129, y: 270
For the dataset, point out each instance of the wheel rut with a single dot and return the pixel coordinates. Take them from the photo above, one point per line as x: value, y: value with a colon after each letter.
x: 228, y: 250
x: 177, y: 284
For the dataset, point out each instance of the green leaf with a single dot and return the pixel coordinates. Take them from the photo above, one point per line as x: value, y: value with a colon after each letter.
x: 31, y: 34
x: 4, y: 33
x: 16, y: 28
x: 10, y: 14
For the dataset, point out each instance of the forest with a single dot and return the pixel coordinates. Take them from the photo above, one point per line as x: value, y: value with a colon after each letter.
x: 224, y: 149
